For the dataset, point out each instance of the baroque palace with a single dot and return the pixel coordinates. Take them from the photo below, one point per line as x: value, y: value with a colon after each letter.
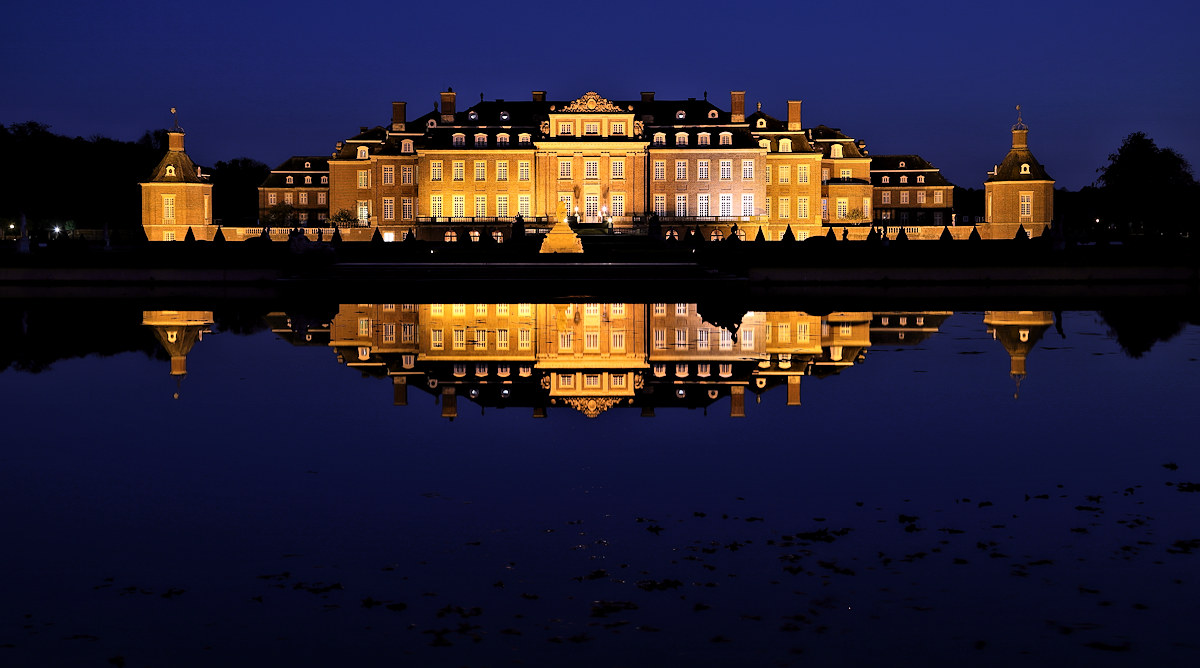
x: 622, y: 167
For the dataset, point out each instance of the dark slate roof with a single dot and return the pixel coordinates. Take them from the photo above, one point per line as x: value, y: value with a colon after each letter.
x: 914, y: 165
x: 316, y: 163
x: 1010, y: 169
x: 825, y: 137
x: 185, y: 169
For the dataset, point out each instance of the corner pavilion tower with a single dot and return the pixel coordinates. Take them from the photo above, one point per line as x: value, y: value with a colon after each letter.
x: 177, y: 196
x: 1018, y: 191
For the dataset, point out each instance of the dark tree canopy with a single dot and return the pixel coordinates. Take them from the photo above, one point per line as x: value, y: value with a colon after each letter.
x: 235, y: 190
x: 1146, y: 188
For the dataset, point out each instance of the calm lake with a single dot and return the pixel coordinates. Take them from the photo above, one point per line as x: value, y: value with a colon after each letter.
x: 597, y: 485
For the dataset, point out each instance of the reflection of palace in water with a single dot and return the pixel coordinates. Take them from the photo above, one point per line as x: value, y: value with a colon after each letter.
x: 595, y: 357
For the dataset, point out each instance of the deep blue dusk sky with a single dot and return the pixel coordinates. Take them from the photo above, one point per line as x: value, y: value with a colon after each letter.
x: 270, y: 79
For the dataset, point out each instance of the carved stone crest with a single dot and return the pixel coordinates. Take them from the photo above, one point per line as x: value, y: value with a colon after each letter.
x: 591, y: 406
x: 591, y: 102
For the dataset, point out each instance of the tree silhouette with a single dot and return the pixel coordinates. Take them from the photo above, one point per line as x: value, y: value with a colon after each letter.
x: 1146, y: 188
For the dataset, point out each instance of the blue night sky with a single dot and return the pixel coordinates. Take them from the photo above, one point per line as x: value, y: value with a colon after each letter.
x: 267, y: 80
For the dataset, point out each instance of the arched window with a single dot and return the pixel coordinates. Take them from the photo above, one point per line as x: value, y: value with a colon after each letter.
x: 835, y: 151
x: 712, y: 113
x: 480, y: 140
x: 672, y: 235
x: 1025, y: 168
x: 903, y: 179
x: 473, y: 115
x: 716, y: 235
x: 886, y: 179
x: 502, y: 139
x: 523, y: 139
x: 504, y: 115
x: 460, y: 139
x: 498, y: 236
x: 171, y: 171
x: 762, y: 122
x: 473, y: 235
x: 901, y: 163
x: 324, y: 179
x: 741, y: 234
x: 764, y: 143
x: 406, y: 146
x: 289, y: 180
x: 785, y: 145
x: 681, y: 139
x: 680, y: 115
x: 450, y: 235
x: 308, y: 165
x: 921, y: 179
x: 703, y: 139
x: 362, y: 152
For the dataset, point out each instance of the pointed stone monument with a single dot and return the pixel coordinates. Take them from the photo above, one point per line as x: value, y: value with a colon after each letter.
x: 561, y: 238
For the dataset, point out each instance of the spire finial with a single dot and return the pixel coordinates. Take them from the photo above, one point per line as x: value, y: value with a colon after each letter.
x: 1020, y: 124
x: 175, y: 117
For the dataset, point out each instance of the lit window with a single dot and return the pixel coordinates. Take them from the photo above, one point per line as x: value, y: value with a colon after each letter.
x: 362, y: 152
x: 726, y: 170
x: 660, y: 205
x: 835, y: 151
x: 846, y: 174
x: 802, y: 174
x: 703, y: 139
x: 618, y: 205
x: 802, y: 208
x: 364, y: 178
x: 591, y: 169
x: 566, y: 341
x: 523, y: 171
x: 1026, y: 205
x: 502, y: 170
x: 702, y: 205
x: 480, y: 206
x: 1025, y: 168
x: 389, y: 175
x: 903, y: 179
x: 459, y: 204
x: 618, y: 169
x: 168, y: 202
x: 785, y: 208
x: 406, y: 146
x: 459, y: 170
x: 726, y: 139
x: 920, y: 179
x: 660, y: 170
x: 565, y: 128
x: 435, y: 207
x: 785, y: 145
x: 681, y: 139
x: 171, y: 169
x: 747, y: 170
x: 747, y: 204
x: 406, y: 174
x: 591, y: 128
x: 660, y: 139
x: 564, y: 169
x: 502, y: 140
x: 389, y: 208
x: 308, y: 180
x: 702, y: 170
x: 435, y: 170
x: 480, y: 141
x: 681, y: 170
x: 681, y: 206
x: 618, y: 129
x: 480, y: 170
x: 886, y: 179
x: 785, y: 174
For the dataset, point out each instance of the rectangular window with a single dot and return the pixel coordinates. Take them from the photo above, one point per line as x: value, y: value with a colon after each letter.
x: 480, y: 206
x: 920, y: 197
x: 726, y: 170
x: 702, y: 205
x: 406, y: 175
x: 802, y: 208
x: 480, y: 338
x: 364, y: 178
x: 591, y: 169
x: 566, y: 128
x: 406, y: 208
x: 303, y: 198
x: 617, y: 382
x: 481, y: 170
x: 321, y: 198
x: 904, y: 197
x: 566, y: 381
x: 747, y: 204
x: 591, y: 128
x: 702, y: 339
x: 523, y: 170
x: 701, y: 170
x: 726, y: 204
x: 785, y: 174
x: 389, y: 208
x: 660, y: 205
x: 460, y: 206
x: 389, y: 175
x: 460, y: 169
x: 564, y: 169
x: 618, y: 129
x: 801, y: 173
x: 767, y: 174
x: 843, y: 208
x: 523, y: 205
x: 591, y: 340
x: 726, y: 341
x: 502, y: 339
x: 272, y: 199
x: 435, y: 170
x: 169, y: 235
x: 660, y: 339
x: 747, y: 170
x: 524, y: 339
x: 502, y: 206
x: 566, y: 341
x: 680, y: 339
x: 1026, y: 204
x: 845, y: 330
x: 846, y: 174
x: 408, y: 332
x: 364, y: 210
x: 938, y: 197
x: 287, y: 198
x: 168, y: 202
x: 389, y: 332
x: 618, y: 340
x: 885, y: 197
x: 618, y: 169
x: 681, y: 170
x: 435, y: 339
x: 660, y: 170
x: 785, y: 207
x: 681, y: 205
x: 618, y: 204
x: 591, y: 205
x: 591, y: 380
x: 747, y: 335
x: 502, y: 170
x: 824, y: 174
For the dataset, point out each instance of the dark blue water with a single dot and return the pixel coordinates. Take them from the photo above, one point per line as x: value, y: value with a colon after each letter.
x: 281, y: 511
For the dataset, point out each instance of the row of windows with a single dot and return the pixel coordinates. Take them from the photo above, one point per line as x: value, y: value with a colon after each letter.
x: 885, y: 197
x: 591, y: 128
x: 288, y: 198
x: 458, y: 170
x: 903, y: 179
x: 307, y: 180
x: 481, y: 140
x: 479, y: 339
x: 704, y: 205
x: 725, y: 168
x: 784, y: 174
x: 591, y: 169
x: 458, y: 206
x: 702, y: 139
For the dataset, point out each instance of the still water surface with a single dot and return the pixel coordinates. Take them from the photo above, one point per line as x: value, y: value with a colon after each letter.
x: 909, y: 498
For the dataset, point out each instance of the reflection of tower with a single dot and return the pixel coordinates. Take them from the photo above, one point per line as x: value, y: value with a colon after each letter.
x: 1018, y: 332
x: 177, y: 332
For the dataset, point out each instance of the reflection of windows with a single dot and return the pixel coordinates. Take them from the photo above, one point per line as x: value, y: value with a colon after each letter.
x: 480, y: 339
x: 591, y: 380
x: 726, y: 340
x: 702, y: 339
x: 681, y: 339
x: 364, y: 326
x: 747, y: 339
x: 435, y: 339
x: 502, y: 339
x: 523, y: 310
x: 660, y: 309
x: 618, y: 340
x: 617, y: 382
x: 660, y: 339
x: 617, y: 310
x: 389, y: 332
x: 566, y: 341
x: 437, y: 310
x: 524, y: 339
x: 408, y: 332
x: 725, y: 370
x: 591, y: 340
x: 703, y: 370
x: 846, y: 330
x: 460, y: 338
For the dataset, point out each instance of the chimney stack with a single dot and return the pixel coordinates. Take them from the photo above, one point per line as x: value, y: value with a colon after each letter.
x: 794, y: 115
x: 539, y: 96
x: 399, y: 116
x: 647, y: 96
x: 737, y: 106
x: 448, y: 106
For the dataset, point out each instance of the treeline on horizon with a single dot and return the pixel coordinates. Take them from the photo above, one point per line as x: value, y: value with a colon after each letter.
x: 78, y: 183
x: 88, y: 183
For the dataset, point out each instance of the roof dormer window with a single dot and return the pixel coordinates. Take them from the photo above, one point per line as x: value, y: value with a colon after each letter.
x: 289, y: 180
x: 703, y: 139
x: 406, y: 146
x: 680, y: 115
x: 762, y: 123
x: 504, y: 115
x: 726, y: 139
x: 681, y: 139
x: 170, y: 170
x: 903, y: 179
x: 1025, y: 168
x: 502, y: 139
x: 362, y: 152
x: 473, y: 116
x: 308, y: 180
x: 764, y: 143
x: 785, y: 145
x: 480, y: 140
x: 324, y: 179
x: 660, y: 139
x: 523, y: 139
x: 886, y: 179
x: 712, y: 113
x: 835, y: 151
x: 921, y: 179
x: 308, y: 165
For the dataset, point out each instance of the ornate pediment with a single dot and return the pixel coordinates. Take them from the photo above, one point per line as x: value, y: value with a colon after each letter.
x: 591, y: 102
